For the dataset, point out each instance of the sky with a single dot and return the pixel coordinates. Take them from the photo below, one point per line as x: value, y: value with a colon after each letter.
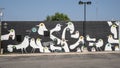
x: 37, y: 10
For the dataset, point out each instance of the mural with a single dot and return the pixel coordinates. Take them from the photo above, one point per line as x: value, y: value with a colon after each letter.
x: 23, y: 45
x: 47, y: 37
x: 10, y: 34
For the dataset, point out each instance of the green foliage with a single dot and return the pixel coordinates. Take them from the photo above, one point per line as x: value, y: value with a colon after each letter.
x: 58, y: 17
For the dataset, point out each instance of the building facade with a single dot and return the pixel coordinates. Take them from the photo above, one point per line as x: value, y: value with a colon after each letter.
x: 59, y: 36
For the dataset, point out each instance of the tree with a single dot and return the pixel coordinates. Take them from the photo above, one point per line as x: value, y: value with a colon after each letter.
x: 48, y: 18
x: 58, y: 17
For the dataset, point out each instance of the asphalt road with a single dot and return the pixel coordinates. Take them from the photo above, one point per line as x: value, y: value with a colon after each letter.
x: 111, y: 60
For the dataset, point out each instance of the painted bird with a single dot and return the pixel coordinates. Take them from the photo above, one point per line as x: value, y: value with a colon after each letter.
x: 46, y: 50
x: 99, y: 44
x: 92, y: 43
x: 90, y: 39
x: 109, y: 23
x: 117, y: 48
x: 33, y: 45
x: 78, y: 49
x: 54, y: 38
x: 108, y: 47
x: 39, y: 44
x: 117, y: 23
x: 111, y: 40
x: 114, y: 30
x: 76, y: 35
x: 70, y: 26
x: 93, y: 49
x: 24, y: 44
x: 80, y: 41
x: 42, y: 28
x: 64, y: 45
x: 53, y: 48
x: 10, y: 34
x: 56, y: 28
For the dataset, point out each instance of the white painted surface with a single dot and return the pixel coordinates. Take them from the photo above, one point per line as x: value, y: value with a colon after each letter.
x: 76, y: 35
x: 111, y: 40
x: 38, y: 42
x: 41, y: 28
x: 57, y: 28
x: 81, y: 39
x: 108, y: 47
x: 10, y: 34
x: 70, y: 25
x: 113, y: 30
x: 65, y: 45
x: 109, y: 23
x: 90, y: 39
x: 53, y: 48
x: 21, y: 46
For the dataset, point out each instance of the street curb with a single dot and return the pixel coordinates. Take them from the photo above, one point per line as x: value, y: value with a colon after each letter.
x: 58, y: 54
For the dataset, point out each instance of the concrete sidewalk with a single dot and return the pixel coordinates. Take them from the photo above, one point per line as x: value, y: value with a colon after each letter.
x: 61, y: 60
x: 70, y: 53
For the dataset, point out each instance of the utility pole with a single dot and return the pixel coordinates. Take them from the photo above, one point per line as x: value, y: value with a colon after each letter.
x: 1, y: 19
x: 84, y: 22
